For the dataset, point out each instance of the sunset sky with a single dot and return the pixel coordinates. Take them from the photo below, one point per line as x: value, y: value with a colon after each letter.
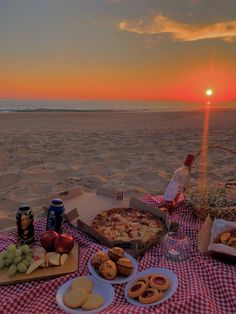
x: 118, y: 49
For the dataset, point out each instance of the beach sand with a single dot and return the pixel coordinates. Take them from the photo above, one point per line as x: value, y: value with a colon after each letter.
x: 45, y: 153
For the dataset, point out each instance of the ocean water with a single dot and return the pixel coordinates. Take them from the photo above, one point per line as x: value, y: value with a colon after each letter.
x: 108, y: 105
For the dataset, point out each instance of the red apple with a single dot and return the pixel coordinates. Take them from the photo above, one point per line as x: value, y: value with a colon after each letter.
x: 64, y: 243
x: 47, y: 240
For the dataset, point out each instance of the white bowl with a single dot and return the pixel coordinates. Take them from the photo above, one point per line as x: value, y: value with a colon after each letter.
x: 167, y: 294
x: 104, y: 290
x: 119, y: 278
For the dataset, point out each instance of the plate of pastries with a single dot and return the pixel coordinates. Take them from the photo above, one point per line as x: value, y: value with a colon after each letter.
x: 151, y: 287
x: 84, y: 294
x: 113, y: 265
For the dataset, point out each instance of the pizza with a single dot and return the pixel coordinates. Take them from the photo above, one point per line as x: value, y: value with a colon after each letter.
x: 125, y: 224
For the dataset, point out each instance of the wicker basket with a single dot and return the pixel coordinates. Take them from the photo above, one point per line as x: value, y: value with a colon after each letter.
x: 217, y: 200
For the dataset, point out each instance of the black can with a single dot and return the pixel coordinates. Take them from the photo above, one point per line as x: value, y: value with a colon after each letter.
x: 25, y: 225
x: 55, y: 215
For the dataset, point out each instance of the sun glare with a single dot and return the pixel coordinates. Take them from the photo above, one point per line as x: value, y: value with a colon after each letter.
x: 209, y: 92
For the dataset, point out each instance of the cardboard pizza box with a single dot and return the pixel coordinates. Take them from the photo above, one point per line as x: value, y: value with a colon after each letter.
x: 82, y: 207
x: 205, y: 242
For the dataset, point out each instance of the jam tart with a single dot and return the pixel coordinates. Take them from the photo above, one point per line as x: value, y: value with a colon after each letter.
x: 150, y: 295
x: 159, y: 282
x: 137, y: 289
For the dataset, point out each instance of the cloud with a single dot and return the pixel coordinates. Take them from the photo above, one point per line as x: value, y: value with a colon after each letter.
x: 149, y: 42
x: 161, y: 24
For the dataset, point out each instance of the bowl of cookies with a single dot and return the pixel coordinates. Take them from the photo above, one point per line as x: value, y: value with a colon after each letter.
x: 84, y: 294
x: 151, y: 287
x: 113, y: 265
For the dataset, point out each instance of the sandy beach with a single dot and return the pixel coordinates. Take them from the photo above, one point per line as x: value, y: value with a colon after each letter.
x: 45, y: 153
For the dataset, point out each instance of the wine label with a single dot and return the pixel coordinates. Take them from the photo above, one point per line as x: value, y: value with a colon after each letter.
x: 25, y: 226
x: 172, y: 190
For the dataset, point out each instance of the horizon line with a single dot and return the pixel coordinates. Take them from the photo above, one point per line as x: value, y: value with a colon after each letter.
x: 117, y: 99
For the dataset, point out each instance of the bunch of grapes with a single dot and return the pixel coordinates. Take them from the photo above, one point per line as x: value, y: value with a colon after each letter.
x: 17, y: 259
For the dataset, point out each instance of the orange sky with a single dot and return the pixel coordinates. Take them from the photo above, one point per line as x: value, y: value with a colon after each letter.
x: 69, y: 53
x: 190, y: 84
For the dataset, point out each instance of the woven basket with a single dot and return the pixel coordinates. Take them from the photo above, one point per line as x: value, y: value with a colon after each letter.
x: 217, y: 200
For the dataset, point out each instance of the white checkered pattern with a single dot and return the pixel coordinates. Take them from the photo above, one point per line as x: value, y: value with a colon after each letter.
x: 206, y: 285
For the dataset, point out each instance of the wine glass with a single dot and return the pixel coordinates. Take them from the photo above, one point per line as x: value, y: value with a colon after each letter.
x: 175, y: 244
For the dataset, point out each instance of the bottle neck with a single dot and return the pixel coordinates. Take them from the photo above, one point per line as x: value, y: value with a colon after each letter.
x: 188, y: 161
x: 186, y: 167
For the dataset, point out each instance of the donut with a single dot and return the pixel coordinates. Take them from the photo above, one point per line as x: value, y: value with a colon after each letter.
x: 159, y: 282
x: 150, y: 295
x: 137, y: 289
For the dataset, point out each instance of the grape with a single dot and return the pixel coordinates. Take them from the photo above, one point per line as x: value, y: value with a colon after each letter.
x: 21, y: 268
x: 8, y: 261
x: 2, y: 264
x: 18, y: 252
x: 10, y: 255
x: 11, y: 248
x: 12, y: 270
x: 28, y: 258
x: 26, y: 262
x: 17, y: 260
x: 25, y: 248
x: 4, y: 254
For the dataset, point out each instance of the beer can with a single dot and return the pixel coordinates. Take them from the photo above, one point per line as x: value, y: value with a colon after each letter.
x: 55, y: 215
x: 25, y: 225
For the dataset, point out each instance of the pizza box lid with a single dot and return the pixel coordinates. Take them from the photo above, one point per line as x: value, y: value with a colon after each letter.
x: 85, y: 205
x: 82, y: 207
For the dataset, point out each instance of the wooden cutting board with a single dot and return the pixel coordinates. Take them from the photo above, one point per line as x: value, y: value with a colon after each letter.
x: 70, y: 266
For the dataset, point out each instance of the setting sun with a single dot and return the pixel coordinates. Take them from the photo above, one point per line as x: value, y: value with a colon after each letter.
x: 209, y: 92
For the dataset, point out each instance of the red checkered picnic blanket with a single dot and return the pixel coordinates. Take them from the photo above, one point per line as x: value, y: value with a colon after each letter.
x: 206, y: 285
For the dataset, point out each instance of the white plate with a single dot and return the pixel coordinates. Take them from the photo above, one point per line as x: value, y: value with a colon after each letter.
x: 119, y: 279
x: 105, y: 290
x: 167, y: 294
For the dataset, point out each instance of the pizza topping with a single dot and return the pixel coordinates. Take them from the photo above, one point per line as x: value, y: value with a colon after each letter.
x: 128, y: 224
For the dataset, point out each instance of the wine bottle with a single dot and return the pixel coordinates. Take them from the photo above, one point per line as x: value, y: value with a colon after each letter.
x: 179, y: 181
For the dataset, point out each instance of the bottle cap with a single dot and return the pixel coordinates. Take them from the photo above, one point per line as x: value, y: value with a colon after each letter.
x: 24, y: 207
x: 188, y: 161
x: 57, y: 202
